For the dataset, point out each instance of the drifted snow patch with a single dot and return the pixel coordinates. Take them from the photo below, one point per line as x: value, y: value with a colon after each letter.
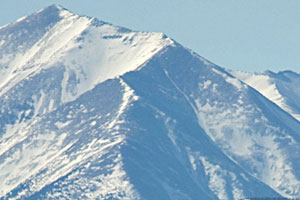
x: 93, y: 123
x: 61, y: 125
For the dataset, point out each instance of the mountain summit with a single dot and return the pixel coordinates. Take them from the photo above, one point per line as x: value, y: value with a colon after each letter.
x: 89, y: 110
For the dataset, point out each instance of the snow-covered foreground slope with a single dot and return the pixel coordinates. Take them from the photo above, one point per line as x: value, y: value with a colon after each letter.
x: 93, y: 111
x: 282, y: 88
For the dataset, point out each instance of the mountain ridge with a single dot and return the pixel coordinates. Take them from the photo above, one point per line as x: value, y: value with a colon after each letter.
x: 73, y: 29
x: 280, y: 88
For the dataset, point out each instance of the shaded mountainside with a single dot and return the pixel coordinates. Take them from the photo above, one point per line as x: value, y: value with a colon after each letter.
x: 94, y: 111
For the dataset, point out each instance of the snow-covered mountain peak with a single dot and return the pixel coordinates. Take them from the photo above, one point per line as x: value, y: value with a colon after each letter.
x: 41, y: 18
x: 91, y: 51
x: 54, y: 9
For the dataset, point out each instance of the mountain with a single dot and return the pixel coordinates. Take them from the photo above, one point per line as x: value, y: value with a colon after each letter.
x: 281, y: 88
x: 89, y: 110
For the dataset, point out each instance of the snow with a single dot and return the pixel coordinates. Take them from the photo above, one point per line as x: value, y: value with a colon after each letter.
x: 53, y: 42
x: 219, y: 179
x: 93, y: 123
x: 230, y: 130
x: 2, y: 42
x: 127, y: 98
x: 76, y: 124
x: 20, y: 19
x: 232, y: 80
x: 216, y: 182
x: 206, y: 84
x: 61, y: 125
x: 280, y: 88
x: 85, y: 50
x: 100, y: 59
x: 24, y: 159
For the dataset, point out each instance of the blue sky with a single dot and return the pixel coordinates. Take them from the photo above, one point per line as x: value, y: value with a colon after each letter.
x: 247, y: 35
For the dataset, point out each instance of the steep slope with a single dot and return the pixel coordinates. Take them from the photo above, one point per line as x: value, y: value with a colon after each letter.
x: 281, y: 88
x: 258, y: 135
x: 53, y: 56
x: 91, y: 51
x: 71, y: 152
x: 120, y: 140
x: 90, y: 110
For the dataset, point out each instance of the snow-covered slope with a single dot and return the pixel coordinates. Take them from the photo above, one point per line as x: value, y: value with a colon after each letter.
x: 282, y: 88
x: 93, y: 111
x: 250, y: 129
x: 91, y: 51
